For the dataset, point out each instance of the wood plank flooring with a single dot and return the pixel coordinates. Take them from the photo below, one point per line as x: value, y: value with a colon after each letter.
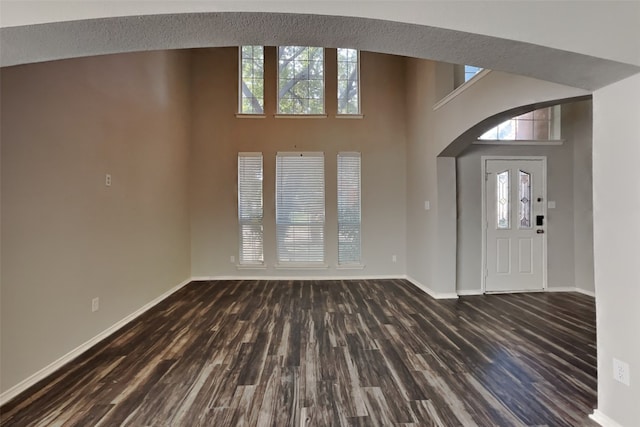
x: 330, y: 353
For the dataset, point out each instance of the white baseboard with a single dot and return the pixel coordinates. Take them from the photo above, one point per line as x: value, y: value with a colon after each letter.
x: 603, y: 420
x: 467, y: 292
x: 51, y: 368
x: 585, y: 292
x: 413, y: 281
x: 561, y: 289
x: 571, y: 289
x: 367, y: 277
x: 430, y: 292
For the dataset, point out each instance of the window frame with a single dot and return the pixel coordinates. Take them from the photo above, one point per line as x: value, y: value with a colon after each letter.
x: 322, y: 114
x: 472, y: 76
x: 281, y: 263
x: 258, y: 221
x: 358, y: 89
x: 240, y: 111
x: 554, y: 130
x: 353, y: 263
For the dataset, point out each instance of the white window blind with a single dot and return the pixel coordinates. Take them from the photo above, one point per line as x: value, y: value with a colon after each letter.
x: 250, y: 209
x: 349, y: 214
x: 300, y: 207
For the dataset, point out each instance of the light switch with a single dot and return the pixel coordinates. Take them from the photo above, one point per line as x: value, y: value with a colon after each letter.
x: 427, y: 205
x: 551, y: 204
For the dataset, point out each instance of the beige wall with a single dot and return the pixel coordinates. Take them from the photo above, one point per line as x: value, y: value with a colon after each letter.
x: 422, y: 225
x: 579, y: 124
x: 164, y: 125
x: 437, y: 128
x: 569, y: 242
x: 616, y: 203
x: 66, y: 237
x: 218, y: 136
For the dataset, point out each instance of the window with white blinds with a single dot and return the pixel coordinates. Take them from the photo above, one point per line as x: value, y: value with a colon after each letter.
x: 300, y: 210
x: 250, y: 209
x: 349, y: 214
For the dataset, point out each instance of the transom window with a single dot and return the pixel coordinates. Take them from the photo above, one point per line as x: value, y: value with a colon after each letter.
x: 538, y: 125
x: 470, y: 71
x: 300, y: 80
x: 348, y: 81
x: 251, y: 80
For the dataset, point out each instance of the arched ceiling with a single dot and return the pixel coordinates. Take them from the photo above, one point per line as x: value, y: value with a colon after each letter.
x: 20, y: 44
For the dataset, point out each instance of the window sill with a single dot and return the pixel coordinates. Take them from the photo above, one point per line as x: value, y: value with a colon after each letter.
x: 250, y: 116
x: 300, y: 116
x: 519, y: 142
x: 293, y: 266
x: 251, y: 266
x: 350, y: 267
x: 350, y: 116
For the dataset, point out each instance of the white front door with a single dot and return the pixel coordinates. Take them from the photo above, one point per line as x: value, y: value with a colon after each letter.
x: 515, y: 226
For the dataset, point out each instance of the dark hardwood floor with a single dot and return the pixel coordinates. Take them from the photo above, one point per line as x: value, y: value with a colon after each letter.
x: 330, y: 353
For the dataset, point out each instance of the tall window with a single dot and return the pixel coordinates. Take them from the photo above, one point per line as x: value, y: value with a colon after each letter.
x: 300, y: 207
x: 538, y: 125
x: 348, y: 81
x: 349, y: 215
x: 250, y: 209
x: 300, y: 80
x: 470, y: 71
x: 251, y: 80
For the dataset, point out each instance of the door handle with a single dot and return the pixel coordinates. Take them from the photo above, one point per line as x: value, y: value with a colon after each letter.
x: 539, y: 231
x: 539, y: 220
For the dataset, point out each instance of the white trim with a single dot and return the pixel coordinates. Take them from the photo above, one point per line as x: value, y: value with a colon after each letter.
x: 357, y: 115
x: 350, y: 266
x: 349, y: 116
x: 464, y: 86
x: 323, y: 115
x: 295, y: 266
x: 572, y: 289
x: 484, y: 225
x: 591, y: 294
x: 251, y: 266
x: 367, y: 277
x: 524, y: 142
x: 562, y: 289
x: 603, y: 419
x: 468, y: 292
x: 300, y: 116
x: 430, y: 292
x: 57, y: 364
x: 240, y: 114
x: 250, y: 116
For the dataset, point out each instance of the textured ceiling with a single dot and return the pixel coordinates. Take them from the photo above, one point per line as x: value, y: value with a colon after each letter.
x: 58, y: 40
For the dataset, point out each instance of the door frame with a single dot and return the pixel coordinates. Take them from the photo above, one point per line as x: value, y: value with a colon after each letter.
x: 483, y: 270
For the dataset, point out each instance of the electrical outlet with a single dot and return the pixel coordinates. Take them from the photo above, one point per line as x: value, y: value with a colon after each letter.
x: 621, y: 371
x: 232, y: 259
x: 95, y: 304
x: 107, y: 180
x: 394, y: 258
